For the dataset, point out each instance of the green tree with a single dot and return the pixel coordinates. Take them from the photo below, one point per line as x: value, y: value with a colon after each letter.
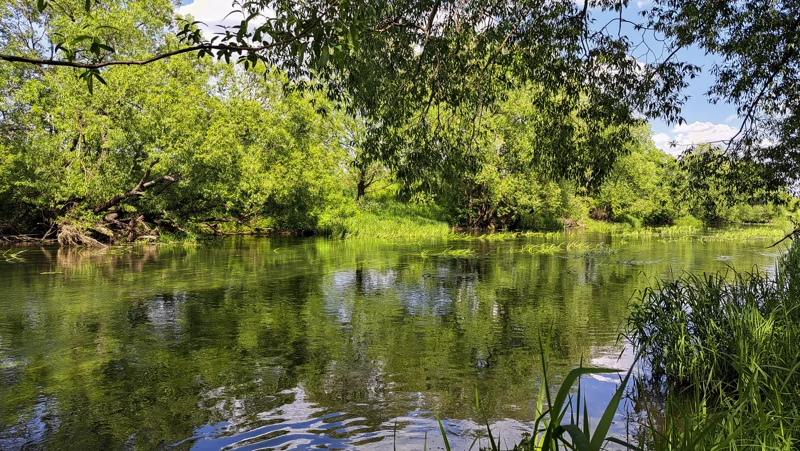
x: 643, y: 186
x: 392, y: 61
x: 724, y: 190
x: 163, y: 147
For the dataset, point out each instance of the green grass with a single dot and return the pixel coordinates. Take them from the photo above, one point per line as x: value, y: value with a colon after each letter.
x: 689, y: 231
x: 388, y: 220
x: 726, y: 347
x: 723, y: 351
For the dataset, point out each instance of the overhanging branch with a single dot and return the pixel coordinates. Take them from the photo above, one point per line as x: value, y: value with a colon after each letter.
x: 194, y: 48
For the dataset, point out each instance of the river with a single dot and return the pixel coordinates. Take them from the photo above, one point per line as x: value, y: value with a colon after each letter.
x: 255, y: 343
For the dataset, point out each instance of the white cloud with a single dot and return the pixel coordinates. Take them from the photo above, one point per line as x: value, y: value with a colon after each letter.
x: 688, y: 135
x: 216, y: 12
x: 642, y: 3
x: 592, y: 3
x: 208, y: 11
x: 661, y: 140
x: 731, y: 118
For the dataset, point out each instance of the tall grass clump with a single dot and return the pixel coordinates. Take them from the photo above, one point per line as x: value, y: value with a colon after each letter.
x: 727, y: 348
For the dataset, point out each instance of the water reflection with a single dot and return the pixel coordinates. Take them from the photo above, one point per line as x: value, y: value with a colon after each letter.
x: 296, y: 343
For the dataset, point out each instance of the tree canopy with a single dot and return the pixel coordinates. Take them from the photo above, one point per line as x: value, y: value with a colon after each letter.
x: 504, y: 114
x: 395, y: 60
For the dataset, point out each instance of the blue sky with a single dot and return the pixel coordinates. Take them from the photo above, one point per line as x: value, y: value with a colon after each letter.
x: 704, y: 121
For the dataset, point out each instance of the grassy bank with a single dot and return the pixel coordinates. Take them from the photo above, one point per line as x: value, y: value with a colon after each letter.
x: 387, y: 219
x: 722, y: 370
x: 693, y: 231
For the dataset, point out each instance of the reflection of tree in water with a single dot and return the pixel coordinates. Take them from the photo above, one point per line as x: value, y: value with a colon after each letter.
x: 647, y: 405
x: 156, y: 343
x: 106, y: 260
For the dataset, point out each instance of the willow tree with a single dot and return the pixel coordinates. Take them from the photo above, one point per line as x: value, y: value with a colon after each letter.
x: 754, y: 46
x: 392, y: 61
x: 180, y: 142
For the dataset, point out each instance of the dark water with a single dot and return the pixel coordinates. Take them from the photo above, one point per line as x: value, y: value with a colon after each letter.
x: 293, y: 344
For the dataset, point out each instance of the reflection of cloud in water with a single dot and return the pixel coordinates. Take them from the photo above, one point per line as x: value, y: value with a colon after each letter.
x: 300, y: 424
x: 432, y: 293
x: 163, y: 312
x: 34, y: 430
x: 616, y: 357
x: 370, y: 280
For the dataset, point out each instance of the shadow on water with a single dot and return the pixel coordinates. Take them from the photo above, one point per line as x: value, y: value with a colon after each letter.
x: 258, y: 343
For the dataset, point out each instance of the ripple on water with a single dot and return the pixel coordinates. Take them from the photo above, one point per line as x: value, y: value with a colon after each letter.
x: 302, y: 425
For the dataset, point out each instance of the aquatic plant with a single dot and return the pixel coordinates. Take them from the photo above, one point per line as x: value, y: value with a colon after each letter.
x: 575, y: 248
x: 562, y: 421
x: 456, y: 253
x: 11, y: 256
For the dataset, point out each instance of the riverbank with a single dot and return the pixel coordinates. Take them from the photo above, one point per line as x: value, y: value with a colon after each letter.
x: 388, y: 219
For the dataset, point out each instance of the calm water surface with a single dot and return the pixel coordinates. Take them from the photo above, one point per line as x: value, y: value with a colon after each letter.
x: 261, y: 343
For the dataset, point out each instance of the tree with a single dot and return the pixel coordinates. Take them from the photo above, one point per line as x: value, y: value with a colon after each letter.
x: 757, y: 69
x: 179, y: 143
x: 644, y: 185
x: 392, y: 61
x: 507, y: 170
x: 724, y: 190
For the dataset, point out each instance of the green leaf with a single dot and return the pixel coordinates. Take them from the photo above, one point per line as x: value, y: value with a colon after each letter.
x: 604, y: 425
x: 324, y: 56
x: 100, y: 79
x: 627, y: 445
x: 579, y: 440
x: 81, y: 38
x: 569, y: 381
x: 444, y: 435
x: 354, y: 39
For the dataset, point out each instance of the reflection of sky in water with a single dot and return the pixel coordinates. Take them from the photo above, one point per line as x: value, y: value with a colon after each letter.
x: 163, y: 313
x: 300, y: 424
x: 430, y: 294
x: 33, y: 429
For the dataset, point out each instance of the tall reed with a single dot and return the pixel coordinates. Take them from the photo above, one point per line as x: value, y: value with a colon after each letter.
x: 726, y: 346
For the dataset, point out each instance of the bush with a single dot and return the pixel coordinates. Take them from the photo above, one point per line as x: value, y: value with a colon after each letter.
x: 688, y: 221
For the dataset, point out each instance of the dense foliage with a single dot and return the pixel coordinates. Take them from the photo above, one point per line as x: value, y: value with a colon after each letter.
x: 206, y: 144
x: 461, y: 117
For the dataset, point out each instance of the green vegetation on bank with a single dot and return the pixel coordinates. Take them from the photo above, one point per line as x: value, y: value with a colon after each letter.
x: 186, y: 147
